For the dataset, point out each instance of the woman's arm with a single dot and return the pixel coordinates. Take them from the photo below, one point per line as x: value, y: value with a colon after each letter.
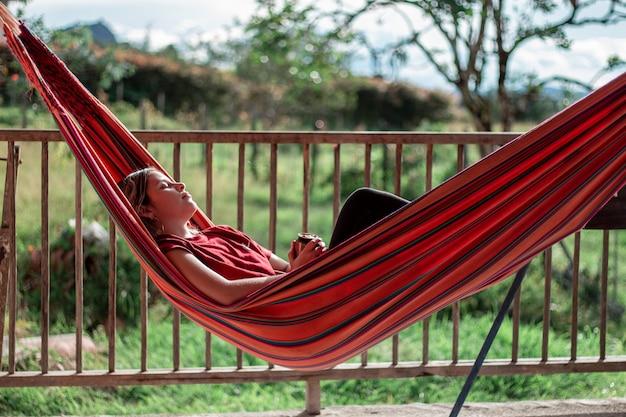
x: 212, y: 284
x: 226, y: 292
x: 279, y: 264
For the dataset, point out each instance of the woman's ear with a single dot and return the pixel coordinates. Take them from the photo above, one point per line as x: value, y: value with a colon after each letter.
x: 145, y: 211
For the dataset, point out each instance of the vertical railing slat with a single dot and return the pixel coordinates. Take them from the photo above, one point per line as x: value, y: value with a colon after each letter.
x: 429, y: 166
x: 143, y: 299
x: 208, y: 157
x: 395, y: 340
x: 241, y: 180
x: 456, y: 318
x: 517, y: 304
x: 12, y: 329
x: 306, y: 185
x: 604, y: 285
x: 45, y: 257
x: 273, y: 220
x: 364, y: 358
x: 367, y: 169
x: 175, y: 312
x: 78, y: 266
x: 575, y: 283
x: 398, y: 170
x: 428, y: 178
x: 209, y: 179
x: 208, y: 351
x: 112, y: 307
x: 456, y: 307
x: 336, y: 181
x: 367, y: 182
x: 13, y: 162
x: 546, y: 304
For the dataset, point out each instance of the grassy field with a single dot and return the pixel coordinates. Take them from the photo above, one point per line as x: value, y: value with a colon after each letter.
x: 259, y: 397
x: 188, y: 399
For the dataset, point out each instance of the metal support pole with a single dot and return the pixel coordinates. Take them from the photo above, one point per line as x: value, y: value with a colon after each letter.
x: 517, y: 282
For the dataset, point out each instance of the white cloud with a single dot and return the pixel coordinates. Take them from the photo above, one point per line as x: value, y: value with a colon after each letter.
x: 582, y: 62
x: 157, y: 38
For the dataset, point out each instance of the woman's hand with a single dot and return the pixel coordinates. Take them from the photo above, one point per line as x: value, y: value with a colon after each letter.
x: 310, y: 251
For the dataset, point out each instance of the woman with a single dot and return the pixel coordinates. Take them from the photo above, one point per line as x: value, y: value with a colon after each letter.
x: 221, y: 262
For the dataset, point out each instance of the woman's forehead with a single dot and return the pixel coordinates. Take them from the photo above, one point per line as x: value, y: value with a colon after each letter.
x: 156, y: 176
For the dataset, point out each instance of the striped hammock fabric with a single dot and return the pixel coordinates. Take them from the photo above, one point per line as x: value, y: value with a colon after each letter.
x: 470, y: 232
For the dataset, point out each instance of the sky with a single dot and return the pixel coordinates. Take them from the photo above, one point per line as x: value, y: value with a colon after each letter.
x: 167, y: 22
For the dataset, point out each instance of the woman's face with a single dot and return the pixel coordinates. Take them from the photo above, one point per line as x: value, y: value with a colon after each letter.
x: 168, y: 200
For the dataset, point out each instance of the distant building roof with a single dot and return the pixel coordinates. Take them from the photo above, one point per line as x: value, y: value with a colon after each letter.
x: 101, y: 33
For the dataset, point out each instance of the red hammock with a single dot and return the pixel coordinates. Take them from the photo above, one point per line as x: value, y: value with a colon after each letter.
x: 471, y: 232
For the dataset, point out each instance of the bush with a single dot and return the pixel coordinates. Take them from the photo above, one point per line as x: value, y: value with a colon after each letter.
x: 95, y: 276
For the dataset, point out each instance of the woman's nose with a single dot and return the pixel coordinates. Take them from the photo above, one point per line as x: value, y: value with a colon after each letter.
x: 180, y: 186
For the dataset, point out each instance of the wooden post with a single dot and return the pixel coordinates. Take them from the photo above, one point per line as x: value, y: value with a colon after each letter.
x: 7, y: 234
x: 313, y: 396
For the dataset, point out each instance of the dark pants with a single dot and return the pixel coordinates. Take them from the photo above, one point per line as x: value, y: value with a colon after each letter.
x: 363, y: 208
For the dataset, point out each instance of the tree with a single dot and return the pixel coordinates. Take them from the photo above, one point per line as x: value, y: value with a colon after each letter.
x: 398, y: 106
x: 483, y: 35
x: 97, y: 68
x: 286, y: 60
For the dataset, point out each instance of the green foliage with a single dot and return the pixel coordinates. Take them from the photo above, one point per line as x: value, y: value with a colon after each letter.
x: 97, y: 69
x: 397, y: 106
x: 283, y: 45
x: 288, y: 67
x: 172, y: 86
x: 62, y: 294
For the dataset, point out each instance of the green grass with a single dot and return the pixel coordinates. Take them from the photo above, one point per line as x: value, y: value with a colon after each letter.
x: 188, y: 399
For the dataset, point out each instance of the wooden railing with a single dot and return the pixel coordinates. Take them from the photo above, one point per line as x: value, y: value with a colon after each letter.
x: 401, y: 146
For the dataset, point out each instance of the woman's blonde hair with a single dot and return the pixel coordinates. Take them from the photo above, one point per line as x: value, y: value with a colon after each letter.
x: 135, y: 188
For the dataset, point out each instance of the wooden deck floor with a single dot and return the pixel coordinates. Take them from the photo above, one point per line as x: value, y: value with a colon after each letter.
x: 615, y: 407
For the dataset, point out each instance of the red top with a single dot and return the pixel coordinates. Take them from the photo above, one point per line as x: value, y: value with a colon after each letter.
x: 225, y: 250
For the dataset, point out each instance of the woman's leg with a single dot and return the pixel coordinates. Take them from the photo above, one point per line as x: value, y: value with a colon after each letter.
x: 363, y: 208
